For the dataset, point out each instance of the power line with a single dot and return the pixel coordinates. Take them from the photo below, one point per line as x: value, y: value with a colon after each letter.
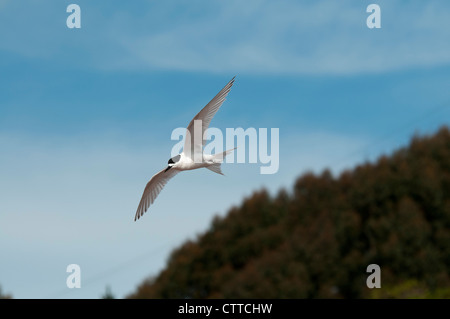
x: 394, y: 132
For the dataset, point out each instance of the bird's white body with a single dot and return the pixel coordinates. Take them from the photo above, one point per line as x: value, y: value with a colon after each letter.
x: 186, y: 163
x: 192, y: 156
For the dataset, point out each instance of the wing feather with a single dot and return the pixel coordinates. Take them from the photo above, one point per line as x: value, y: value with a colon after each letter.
x: 152, y: 190
x: 192, y: 146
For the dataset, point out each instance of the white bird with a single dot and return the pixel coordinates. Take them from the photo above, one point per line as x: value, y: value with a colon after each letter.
x: 192, y: 156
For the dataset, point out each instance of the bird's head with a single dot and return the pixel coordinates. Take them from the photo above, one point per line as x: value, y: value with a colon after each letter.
x: 172, y: 162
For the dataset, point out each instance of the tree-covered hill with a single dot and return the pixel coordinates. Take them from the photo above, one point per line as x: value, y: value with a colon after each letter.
x: 317, y: 241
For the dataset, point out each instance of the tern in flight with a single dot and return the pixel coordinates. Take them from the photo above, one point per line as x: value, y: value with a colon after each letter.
x: 192, y: 156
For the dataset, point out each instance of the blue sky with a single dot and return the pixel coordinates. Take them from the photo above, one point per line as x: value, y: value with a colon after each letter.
x: 86, y: 117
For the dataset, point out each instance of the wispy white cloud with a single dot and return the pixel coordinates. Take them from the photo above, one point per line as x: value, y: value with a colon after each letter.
x: 255, y: 36
x: 298, y: 38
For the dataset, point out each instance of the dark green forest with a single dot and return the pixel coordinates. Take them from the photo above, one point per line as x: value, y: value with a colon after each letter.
x: 316, y: 240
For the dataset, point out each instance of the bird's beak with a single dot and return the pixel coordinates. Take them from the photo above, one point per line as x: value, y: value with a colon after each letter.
x: 168, y: 167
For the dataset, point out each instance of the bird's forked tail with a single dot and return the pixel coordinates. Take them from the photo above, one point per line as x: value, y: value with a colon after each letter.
x: 218, y: 159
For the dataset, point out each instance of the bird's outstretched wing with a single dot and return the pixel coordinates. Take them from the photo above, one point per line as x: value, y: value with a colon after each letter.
x: 194, y: 144
x: 152, y: 190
